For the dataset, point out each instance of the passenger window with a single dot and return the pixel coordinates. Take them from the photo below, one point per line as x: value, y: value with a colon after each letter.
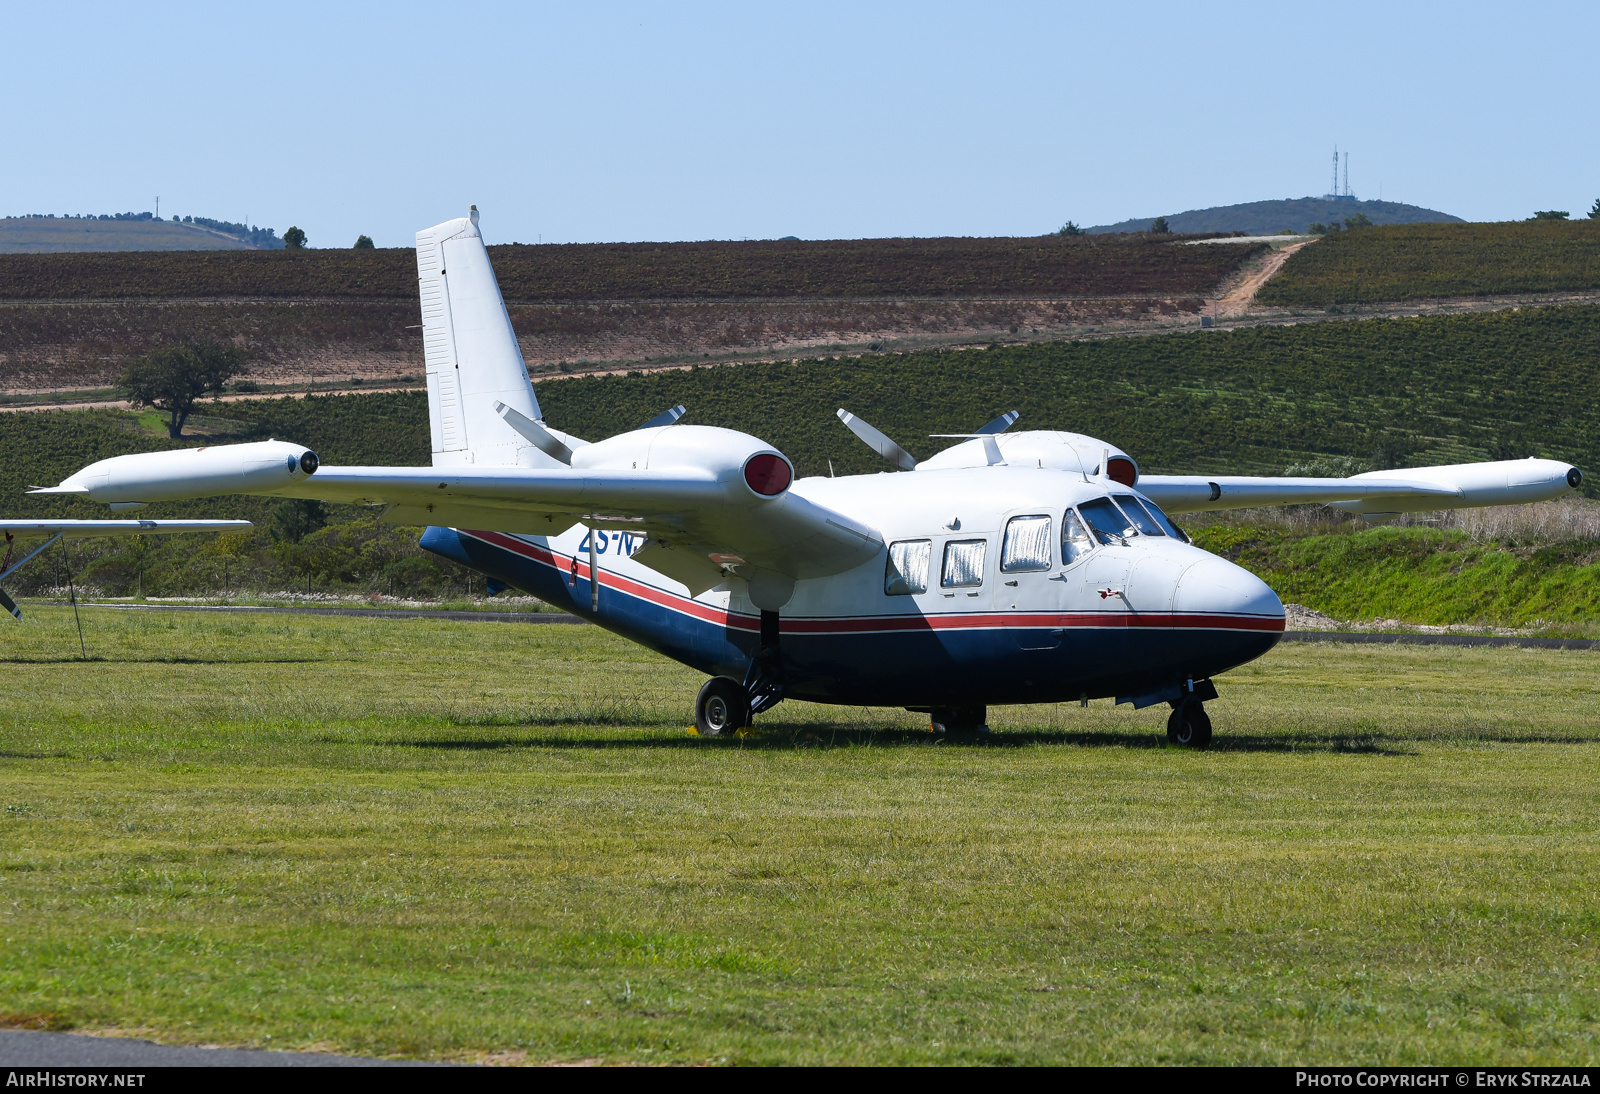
x: 1027, y: 545
x: 907, y: 569
x: 1107, y: 521
x: 1141, y: 520
x: 1075, y: 542
x: 963, y: 563
x: 1161, y: 518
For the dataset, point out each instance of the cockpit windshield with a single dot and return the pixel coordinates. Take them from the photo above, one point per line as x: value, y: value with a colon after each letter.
x: 1107, y: 521
x: 1140, y: 519
x: 1161, y: 518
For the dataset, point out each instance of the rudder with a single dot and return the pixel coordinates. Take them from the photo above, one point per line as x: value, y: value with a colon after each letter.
x: 473, y: 360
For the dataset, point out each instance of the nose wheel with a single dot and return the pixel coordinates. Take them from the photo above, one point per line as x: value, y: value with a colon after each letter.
x: 1189, y: 724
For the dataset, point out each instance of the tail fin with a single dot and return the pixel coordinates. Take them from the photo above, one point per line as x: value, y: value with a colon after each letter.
x: 472, y: 355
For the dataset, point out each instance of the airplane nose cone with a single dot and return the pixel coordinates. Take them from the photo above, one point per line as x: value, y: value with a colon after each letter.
x: 1215, y: 587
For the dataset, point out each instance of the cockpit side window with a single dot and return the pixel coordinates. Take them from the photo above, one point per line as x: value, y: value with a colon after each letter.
x: 1107, y: 521
x: 1075, y: 541
x: 1137, y: 516
x: 906, y: 572
x: 1027, y: 545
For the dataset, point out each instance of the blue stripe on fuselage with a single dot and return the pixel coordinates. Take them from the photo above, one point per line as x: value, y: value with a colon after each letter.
x: 953, y: 666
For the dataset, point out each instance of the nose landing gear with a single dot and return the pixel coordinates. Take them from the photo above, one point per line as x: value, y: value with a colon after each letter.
x: 1189, y: 724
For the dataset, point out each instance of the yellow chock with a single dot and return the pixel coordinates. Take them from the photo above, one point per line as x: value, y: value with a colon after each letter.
x: 694, y: 731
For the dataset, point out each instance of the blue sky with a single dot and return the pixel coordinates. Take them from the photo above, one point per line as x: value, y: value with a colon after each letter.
x: 652, y: 122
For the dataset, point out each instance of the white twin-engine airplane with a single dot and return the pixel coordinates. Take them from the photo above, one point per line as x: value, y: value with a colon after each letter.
x: 1028, y: 567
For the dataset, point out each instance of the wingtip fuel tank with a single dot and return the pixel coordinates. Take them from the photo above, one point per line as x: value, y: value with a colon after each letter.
x: 260, y: 467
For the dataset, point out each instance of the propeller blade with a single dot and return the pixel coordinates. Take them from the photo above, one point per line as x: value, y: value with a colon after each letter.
x: 540, y: 437
x: 666, y: 417
x: 9, y: 604
x: 1000, y: 424
x: 878, y: 442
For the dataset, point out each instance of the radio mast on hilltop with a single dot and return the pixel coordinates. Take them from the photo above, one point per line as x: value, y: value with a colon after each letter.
x: 1335, y: 192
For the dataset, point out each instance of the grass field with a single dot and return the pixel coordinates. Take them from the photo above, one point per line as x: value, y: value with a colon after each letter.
x: 497, y: 841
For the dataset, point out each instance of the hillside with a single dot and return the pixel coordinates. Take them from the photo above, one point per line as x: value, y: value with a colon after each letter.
x: 1289, y: 214
x: 71, y: 321
x: 1045, y: 266
x: 1420, y: 261
x: 1403, y: 392
x: 50, y: 235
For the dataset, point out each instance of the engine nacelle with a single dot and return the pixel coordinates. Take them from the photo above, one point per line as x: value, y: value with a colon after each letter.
x: 727, y: 454
x: 260, y: 467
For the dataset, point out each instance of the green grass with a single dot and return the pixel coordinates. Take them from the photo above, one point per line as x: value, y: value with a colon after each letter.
x: 1416, y: 261
x: 1420, y: 575
x: 448, y: 840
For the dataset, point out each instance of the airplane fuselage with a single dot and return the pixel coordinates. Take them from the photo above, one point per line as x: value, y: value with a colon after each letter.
x: 998, y: 607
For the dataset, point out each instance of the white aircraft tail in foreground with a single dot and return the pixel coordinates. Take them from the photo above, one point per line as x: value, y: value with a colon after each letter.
x: 1024, y: 567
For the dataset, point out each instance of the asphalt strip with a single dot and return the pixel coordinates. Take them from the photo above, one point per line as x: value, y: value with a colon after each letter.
x: 1358, y: 637
x: 372, y: 613
x: 26, y: 1048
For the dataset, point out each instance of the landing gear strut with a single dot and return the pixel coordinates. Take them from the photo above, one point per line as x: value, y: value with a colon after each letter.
x: 1189, y: 724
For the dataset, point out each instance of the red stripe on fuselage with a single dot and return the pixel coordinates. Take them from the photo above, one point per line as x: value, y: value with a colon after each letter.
x: 886, y: 623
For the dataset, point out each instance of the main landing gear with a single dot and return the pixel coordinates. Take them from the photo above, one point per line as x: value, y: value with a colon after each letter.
x: 958, y: 723
x: 1189, y: 724
x: 724, y: 705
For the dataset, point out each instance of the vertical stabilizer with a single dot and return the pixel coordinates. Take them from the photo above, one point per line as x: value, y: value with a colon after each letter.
x: 472, y: 355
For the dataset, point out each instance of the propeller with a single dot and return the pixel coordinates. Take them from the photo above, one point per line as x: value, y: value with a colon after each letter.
x: 1000, y: 424
x: 540, y: 437
x: 666, y: 417
x: 878, y: 442
x: 991, y: 447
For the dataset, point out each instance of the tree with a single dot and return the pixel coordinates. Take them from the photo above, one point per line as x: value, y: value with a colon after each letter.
x: 1358, y: 220
x: 1159, y: 227
x: 1071, y: 229
x: 297, y: 518
x: 1594, y: 214
x: 364, y: 243
x: 294, y: 239
x: 1549, y: 214
x: 174, y: 378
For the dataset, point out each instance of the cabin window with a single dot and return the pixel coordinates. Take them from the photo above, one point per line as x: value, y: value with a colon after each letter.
x: 1027, y: 545
x: 1107, y: 521
x: 1075, y: 541
x: 906, y: 572
x: 963, y: 563
x: 1136, y: 514
x: 1161, y: 518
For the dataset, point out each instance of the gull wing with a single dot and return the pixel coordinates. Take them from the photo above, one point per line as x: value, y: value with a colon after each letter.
x: 698, y: 512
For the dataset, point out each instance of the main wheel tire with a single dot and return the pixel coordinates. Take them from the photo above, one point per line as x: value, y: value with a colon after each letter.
x: 1189, y: 725
x: 959, y: 723
x: 721, y: 708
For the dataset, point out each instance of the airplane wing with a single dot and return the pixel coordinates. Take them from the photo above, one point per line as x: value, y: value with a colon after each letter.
x: 1416, y: 489
x: 698, y: 511
x: 709, y: 500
